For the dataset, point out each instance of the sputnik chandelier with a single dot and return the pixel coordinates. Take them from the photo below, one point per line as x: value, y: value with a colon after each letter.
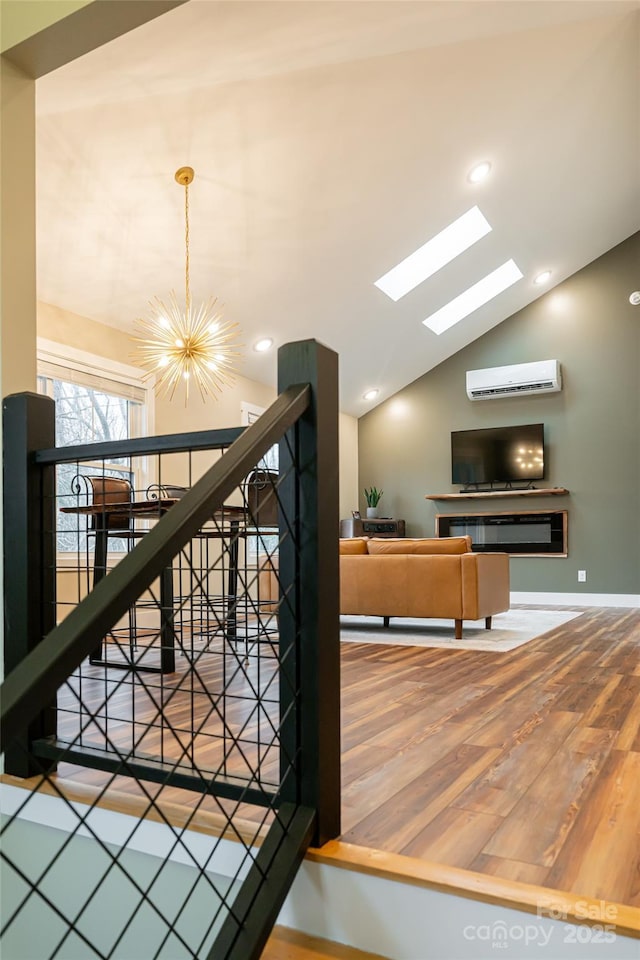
x: 184, y: 345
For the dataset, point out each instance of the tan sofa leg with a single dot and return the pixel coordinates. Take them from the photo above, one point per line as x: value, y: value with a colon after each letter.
x: 458, y: 629
x: 487, y: 623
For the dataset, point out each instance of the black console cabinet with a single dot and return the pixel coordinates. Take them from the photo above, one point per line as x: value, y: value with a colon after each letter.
x: 372, y: 528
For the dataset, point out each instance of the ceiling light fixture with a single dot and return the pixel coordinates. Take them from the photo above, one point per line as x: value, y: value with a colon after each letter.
x: 434, y: 254
x: 479, y: 172
x: 542, y: 277
x: 475, y: 297
x: 370, y: 394
x: 635, y: 298
x: 262, y: 345
x: 184, y: 344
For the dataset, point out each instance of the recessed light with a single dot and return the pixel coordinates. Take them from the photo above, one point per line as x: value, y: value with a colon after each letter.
x: 264, y: 344
x: 542, y: 277
x: 370, y: 394
x: 476, y: 296
x: 435, y: 253
x: 479, y: 172
x: 635, y: 298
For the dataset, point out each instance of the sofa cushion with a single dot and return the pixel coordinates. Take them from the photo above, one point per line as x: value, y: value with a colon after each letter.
x: 428, y: 545
x: 350, y: 546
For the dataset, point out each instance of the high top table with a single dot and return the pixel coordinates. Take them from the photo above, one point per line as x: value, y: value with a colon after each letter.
x: 104, y: 515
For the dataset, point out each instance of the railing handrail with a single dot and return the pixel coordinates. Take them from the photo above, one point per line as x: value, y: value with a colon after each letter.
x: 35, y: 680
x: 141, y: 446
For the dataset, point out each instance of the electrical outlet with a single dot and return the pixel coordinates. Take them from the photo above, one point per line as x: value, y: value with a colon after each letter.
x: 582, y: 576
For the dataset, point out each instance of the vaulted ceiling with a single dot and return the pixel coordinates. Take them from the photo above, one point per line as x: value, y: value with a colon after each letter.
x: 329, y: 141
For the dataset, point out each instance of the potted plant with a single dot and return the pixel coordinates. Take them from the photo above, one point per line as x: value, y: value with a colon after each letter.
x: 372, y: 497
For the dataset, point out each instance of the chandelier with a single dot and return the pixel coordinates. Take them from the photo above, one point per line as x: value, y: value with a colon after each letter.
x: 185, y: 345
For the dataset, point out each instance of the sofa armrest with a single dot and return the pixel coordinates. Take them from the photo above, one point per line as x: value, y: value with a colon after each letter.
x: 485, y: 584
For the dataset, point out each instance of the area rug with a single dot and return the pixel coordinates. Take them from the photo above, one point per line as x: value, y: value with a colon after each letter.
x: 508, y: 630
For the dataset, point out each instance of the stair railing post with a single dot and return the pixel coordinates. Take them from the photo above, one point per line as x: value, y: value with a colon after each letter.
x: 310, y: 611
x: 29, y: 552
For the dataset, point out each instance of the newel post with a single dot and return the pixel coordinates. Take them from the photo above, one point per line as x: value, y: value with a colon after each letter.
x: 29, y: 551
x: 310, y: 494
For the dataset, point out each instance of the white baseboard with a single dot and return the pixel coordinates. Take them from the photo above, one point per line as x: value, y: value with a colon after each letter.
x: 579, y: 599
x: 408, y: 921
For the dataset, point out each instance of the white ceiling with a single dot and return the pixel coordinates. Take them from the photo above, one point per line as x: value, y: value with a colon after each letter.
x: 329, y: 141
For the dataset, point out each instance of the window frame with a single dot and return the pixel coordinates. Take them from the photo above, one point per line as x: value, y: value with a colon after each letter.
x: 249, y: 413
x: 260, y: 546
x: 94, y: 367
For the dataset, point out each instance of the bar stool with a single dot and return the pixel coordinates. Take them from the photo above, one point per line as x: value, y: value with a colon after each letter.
x: 262, y: 520
x: 107, y: 525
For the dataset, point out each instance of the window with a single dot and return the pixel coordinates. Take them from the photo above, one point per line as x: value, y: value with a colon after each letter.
x: 249, y: 413
x: 95, y: 401
x: 263, y: 544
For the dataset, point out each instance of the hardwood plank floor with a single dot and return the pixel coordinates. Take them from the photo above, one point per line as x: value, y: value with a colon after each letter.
x: 527, y: 764
x: 603, y: 851
x: 535, y: 830
x: 286, y: 944
x: 522, y: 765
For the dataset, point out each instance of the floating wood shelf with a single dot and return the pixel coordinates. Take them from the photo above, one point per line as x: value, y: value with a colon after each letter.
x: 486, y: 494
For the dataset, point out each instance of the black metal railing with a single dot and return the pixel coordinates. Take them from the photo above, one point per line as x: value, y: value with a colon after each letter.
x: 171, y: 643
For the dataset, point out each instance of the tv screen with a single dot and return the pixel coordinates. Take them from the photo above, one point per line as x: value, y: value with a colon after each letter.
x: 498, y: 454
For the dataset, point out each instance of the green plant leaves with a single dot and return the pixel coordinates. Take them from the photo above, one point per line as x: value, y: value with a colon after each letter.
x: 373, y: 496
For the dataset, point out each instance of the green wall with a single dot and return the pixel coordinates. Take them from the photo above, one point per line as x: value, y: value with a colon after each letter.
x: 592, y: 428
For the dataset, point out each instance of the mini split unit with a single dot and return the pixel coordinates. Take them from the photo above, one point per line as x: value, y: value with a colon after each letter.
x: 516, y: 380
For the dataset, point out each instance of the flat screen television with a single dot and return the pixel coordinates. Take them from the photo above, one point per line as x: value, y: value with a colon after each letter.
x: 501, y: 455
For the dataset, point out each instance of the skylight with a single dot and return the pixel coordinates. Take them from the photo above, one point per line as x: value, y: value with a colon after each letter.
x: 477, y: 295
x: 435, y: 253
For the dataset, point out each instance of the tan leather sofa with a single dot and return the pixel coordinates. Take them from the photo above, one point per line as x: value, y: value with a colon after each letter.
x: 439, y: 577
x: 424, y: 578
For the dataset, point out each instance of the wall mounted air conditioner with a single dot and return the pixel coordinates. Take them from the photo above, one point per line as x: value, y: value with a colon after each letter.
x: 516, y: 380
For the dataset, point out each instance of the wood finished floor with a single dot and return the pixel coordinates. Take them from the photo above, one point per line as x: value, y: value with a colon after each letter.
x: 522, y: 765
x: 286, y: 944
